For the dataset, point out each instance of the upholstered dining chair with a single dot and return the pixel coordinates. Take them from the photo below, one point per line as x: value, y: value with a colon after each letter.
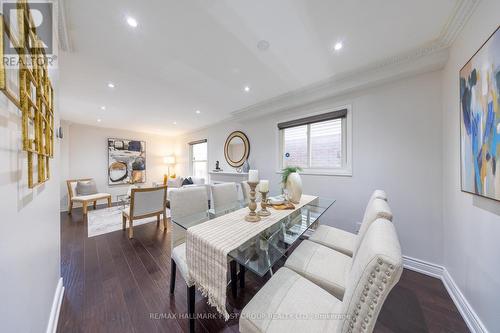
x: 326, y: 267
x: 289, y: 302
x: 344, y: 241
x: 224, y: 197
x: 188, y: 201
x: 144, y: 203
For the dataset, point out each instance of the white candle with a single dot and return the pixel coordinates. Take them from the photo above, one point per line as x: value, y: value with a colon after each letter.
x: 264, y: 186
x: 253, y: 176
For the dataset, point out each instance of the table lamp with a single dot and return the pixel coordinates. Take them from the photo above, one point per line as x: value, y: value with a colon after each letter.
x: 169, y: 161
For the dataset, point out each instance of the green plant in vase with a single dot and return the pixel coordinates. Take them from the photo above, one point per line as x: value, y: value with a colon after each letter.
x: 292, y: 184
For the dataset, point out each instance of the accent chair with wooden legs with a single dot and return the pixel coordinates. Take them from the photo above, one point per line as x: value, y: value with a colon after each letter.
x: 85, y: 200
x: 144, y: 203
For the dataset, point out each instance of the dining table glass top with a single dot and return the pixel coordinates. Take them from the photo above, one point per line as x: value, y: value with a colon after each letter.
x: 261, y: 252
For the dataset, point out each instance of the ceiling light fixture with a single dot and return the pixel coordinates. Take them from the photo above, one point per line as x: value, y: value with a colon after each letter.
x: 338, y: 46
x: 198, y: 111
x: 263, y: 45
x: 103, y: 108
x: 247, y: 88
x: 98, y: 120
x: 132, y: 22
x: 111, y: 85
x: 175, y: 123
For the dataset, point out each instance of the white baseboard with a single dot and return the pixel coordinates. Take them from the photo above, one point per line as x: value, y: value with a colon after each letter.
x: 473, y: 322
x: 470, y: 317
x: 56, y: 307
x: 423, y: 267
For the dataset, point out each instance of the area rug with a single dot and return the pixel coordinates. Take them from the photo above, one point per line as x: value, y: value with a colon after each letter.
x: 103, y: 221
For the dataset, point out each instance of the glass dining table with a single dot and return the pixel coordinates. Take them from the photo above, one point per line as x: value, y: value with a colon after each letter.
x: 259, y: 253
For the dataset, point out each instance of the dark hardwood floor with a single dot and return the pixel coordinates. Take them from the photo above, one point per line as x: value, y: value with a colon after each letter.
x: 113, y: 284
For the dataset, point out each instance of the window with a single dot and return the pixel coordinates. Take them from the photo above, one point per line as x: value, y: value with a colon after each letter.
x: 199, y: 159
x: 318, y: 144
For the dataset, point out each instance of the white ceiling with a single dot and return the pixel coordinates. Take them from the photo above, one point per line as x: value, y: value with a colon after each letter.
x: 199, y: 54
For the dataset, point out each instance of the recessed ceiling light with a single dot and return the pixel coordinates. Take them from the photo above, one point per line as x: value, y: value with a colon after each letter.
x: 198, y: 111
x: 132, y: 22
x: 263, y: 45
x: 98, y: 120
x: 103, y: 108
x: 111, y: 85
x: 175, y: 123
x: 338, y: 46
x: 247, y: 88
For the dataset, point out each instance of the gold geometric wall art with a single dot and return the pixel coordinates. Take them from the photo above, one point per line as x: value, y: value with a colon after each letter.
x: 35, y: 95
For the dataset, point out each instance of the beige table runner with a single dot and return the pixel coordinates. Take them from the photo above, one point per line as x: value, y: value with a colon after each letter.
x: 209, y: 243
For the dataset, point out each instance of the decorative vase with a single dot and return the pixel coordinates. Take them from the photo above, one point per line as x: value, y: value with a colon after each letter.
x: 246, y: 166
x: 294, y: 187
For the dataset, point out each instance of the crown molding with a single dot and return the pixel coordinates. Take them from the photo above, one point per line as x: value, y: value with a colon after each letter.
x: 428, y: 57
x: 461, y: 14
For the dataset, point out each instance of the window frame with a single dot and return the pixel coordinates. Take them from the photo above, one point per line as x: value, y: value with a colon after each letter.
x: 192, y: 161
x: 346, y: 168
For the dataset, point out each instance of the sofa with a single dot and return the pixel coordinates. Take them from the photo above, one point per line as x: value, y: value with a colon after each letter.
x: 177, y: 183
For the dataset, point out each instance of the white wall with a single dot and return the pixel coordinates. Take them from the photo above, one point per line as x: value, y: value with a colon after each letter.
x: 85, y: 155
x: 29, y: 233
x: 471, y: 224
x: 396, y: 146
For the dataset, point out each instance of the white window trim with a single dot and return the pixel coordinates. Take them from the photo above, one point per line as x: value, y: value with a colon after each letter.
x: 191, y: 162
x: 347, y: 141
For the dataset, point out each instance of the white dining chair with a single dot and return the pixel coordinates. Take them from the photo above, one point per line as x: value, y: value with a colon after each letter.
x: 224, y: 197
x: 288, y: 302
x: 344, y: 241
x: 144, y: 203
x: 184, y: 202
x: 329, y: 268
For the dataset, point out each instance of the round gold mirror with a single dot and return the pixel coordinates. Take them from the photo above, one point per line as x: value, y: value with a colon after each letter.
x: 236, y: 149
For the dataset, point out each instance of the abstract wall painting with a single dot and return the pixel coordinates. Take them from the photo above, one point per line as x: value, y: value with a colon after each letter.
x: 480, y: 120
x: 126, y: 161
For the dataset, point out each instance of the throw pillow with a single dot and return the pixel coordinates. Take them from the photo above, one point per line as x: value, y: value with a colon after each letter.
x: 187, y: 181
x: 86, y: 188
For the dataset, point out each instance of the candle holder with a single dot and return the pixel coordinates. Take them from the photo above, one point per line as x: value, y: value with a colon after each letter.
x: 252, y: 205
x: 263, y: 205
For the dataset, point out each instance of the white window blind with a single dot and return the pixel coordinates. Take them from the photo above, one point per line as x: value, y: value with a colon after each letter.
x: 316, y: 143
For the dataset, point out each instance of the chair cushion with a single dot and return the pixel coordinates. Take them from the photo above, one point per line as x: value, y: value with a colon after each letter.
x: 91, y: 197
x: 323, y: 266
x: 179, y: 256
x: 334, y: 238
x: 289, y: 303
x: 86, y: 188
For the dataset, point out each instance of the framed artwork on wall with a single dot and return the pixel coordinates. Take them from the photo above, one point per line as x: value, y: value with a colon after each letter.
x: 126, y: 161
x: 480, y: 121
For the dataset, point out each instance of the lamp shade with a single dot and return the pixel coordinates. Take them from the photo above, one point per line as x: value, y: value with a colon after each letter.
x: 169, y: 160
